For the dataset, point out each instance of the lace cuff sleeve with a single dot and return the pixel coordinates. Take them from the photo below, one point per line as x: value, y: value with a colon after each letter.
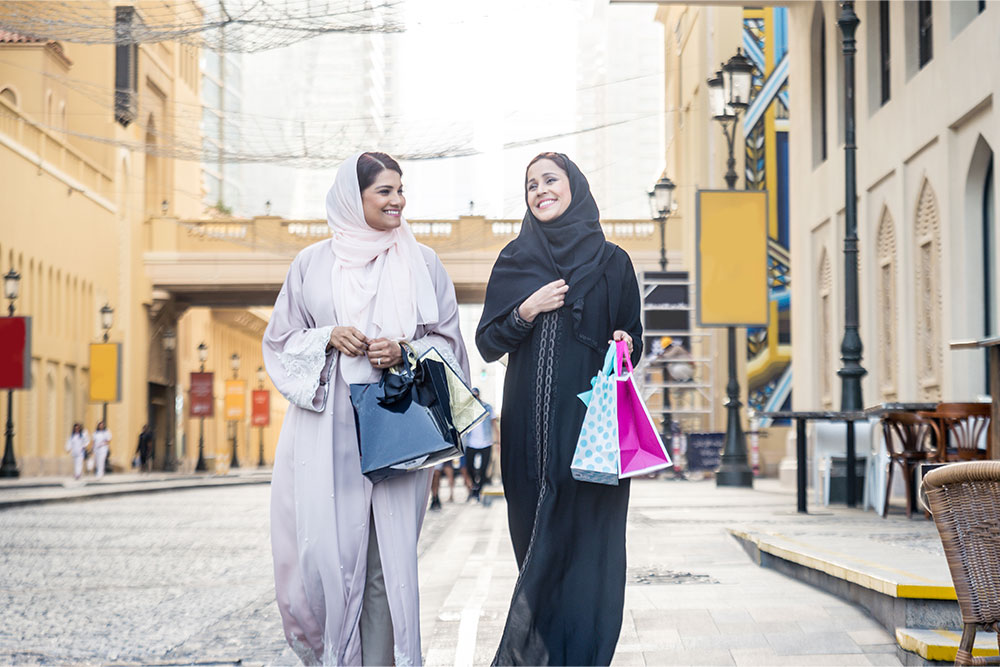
x: 306, y: 363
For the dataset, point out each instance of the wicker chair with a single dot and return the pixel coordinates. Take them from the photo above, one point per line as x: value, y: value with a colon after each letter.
x: 906, y: 438
x: 965, y: 501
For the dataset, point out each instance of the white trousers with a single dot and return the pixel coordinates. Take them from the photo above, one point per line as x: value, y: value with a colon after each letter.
x: 77, y: 466
x: 100, y: 457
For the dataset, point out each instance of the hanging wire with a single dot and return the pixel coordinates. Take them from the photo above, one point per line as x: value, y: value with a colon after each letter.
x: 243, y: 26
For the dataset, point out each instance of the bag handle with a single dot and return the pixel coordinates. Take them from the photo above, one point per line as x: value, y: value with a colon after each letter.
x: 621, y: 350
x: 609, y: 361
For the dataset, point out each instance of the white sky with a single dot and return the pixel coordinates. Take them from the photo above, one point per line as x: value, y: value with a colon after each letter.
x: 494, y: 73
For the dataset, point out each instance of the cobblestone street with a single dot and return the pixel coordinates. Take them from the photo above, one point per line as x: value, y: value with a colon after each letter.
x: 185, y: 578
x: 168, y: 577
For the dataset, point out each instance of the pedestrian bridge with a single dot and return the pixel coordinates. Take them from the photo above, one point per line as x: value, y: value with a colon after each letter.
x: 242, y: 262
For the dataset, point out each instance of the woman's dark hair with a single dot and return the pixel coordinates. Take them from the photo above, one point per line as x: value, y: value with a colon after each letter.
x: 373, y: 163
x: 547, y: 155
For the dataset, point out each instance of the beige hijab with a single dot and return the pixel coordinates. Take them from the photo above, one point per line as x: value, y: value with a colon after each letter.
x: 381, y: 284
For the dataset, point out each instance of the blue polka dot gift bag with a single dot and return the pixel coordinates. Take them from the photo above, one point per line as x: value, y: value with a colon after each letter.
x: 596, y: 456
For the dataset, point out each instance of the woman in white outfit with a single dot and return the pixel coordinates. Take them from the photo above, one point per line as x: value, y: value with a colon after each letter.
x: 102, y: 443
x: 345, y: 551
x: 76, y: 445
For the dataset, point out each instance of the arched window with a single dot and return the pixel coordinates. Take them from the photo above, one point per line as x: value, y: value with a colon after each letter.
x: 824, y: 281
x: 818, y: 92
x: 990, y: 317
x: 887, y: 313
x: 9, y: 96
x: 927, y: 281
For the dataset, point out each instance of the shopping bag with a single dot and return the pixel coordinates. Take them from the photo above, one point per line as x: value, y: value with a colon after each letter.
x: 596, y: 455
x: 404, y: 420
x: 466, y: 410
x: 641, y: 449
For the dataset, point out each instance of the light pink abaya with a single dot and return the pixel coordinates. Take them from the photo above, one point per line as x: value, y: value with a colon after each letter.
x: 320, y: 501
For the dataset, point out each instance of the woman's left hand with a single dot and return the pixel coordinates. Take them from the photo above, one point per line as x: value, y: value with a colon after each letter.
x: 384, y: 353
x: 621, y: 335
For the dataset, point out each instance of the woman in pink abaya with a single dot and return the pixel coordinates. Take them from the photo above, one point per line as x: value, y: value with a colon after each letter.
x: 345, y: 551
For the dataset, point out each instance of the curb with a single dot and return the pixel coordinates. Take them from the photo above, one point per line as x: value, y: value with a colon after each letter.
x: 140, y: 487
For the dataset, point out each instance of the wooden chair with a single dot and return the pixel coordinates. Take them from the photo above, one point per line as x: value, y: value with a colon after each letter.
x: 906, y: 439
x: 963, y: 426
x: 965, y: 501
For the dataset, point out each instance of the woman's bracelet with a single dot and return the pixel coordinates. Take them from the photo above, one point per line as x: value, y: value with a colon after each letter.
x: 519, y: 321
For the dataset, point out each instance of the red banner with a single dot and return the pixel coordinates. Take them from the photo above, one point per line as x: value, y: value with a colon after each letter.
x: 261, y: 408
x: 202, y: 400
x: 15, y: 352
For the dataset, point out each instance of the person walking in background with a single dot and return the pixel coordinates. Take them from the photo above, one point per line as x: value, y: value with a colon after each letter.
x: 145, y: 447
x: 478, y: 446
x: 558, y: 294
x: 76, y: 445
x: 345, y: 551
x: 102, y: 445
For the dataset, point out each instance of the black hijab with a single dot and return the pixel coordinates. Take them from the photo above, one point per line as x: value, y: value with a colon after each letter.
x: 571, y: 247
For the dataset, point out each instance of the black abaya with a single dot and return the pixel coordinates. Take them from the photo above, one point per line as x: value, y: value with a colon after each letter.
x: 568, y: 536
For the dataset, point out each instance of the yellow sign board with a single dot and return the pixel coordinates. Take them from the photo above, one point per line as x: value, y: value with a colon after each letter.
x: 236, y: 391
x: 105, y: 372
x: 732, y: 258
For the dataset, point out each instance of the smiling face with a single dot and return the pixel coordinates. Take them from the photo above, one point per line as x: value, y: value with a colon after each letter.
x: 383, y: 201
x: 548, y: 191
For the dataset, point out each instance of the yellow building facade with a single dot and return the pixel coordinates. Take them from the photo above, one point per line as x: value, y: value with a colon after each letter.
x: 80, y: 182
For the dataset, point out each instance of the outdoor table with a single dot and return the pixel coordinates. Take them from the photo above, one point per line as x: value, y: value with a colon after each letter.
x: 992, y: 344
x: 882, y: 408
x: 801, y: 419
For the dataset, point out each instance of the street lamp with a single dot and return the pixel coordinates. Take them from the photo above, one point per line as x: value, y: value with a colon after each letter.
x: 200, y: 465
x: 169, y: 341
x: 661, y: 204
x: 850, y: 347
x: 729, y: 96
x: 107, y: 321
x: 234, y: 363
x: 11, y: 287
x: 261, y: 375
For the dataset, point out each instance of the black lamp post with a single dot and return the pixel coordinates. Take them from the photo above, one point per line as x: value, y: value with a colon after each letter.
x: 200, y: 465
x: 169, y: 341
x: 261, y: 375
x: 107, y: 321
x: 850, y: 348
x: 11, y: 287
x: 661, y: 204
x: 234, y: 363
x: 729, y: 96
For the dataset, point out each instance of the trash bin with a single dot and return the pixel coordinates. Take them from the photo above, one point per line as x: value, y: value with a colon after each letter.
x: 837, y: 477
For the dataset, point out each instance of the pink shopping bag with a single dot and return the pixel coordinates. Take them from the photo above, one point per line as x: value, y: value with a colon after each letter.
x: 641, y: 448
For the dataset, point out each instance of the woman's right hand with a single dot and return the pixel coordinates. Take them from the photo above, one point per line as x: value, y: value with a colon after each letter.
x: 348, y: 340
x: 546, y: 298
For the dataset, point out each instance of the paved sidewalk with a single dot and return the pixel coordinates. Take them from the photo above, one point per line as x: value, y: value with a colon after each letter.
x: 693, y: 596
x: 39, y: 490
x: 185, y: 578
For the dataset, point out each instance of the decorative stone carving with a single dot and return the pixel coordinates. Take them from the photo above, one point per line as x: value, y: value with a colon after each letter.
x: 927, y: 280
x: 887, y: 313
x: 825, y: 284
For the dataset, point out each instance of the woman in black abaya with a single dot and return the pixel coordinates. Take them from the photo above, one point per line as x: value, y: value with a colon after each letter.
x: 558, y: 294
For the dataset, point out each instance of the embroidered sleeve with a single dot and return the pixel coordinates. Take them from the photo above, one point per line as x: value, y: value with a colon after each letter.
x: 306, y: 363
